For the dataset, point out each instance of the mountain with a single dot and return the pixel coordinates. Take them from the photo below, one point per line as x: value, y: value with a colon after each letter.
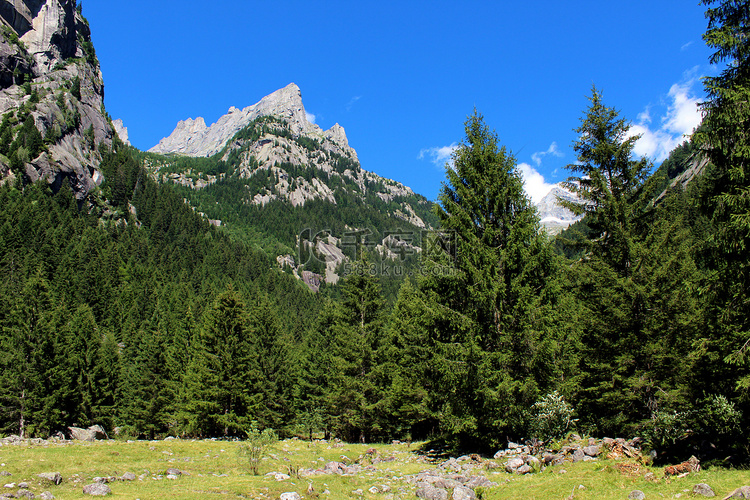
x: 268, y: 175
x: 51, y: 96
x: 554, y: 217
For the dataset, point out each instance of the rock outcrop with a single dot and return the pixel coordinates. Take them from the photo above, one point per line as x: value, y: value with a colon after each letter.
x: 49, y: 74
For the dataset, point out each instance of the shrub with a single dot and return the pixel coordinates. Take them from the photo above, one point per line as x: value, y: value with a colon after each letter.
x: 257, y: 444
x: 665, y: 429
x: 551, y: 417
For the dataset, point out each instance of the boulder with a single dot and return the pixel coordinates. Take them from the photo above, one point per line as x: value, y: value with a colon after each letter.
x: 578, y: 455
x: 52, y: 477
x: 97, y: 490
x: 514, y: 463
x: 81, y: 434
x: 591, y: 451
x: 741, y: 492
x: 429, y: 492
x: 524, y: 469
x: 463, y: 493
x: 98, y: 431
x: 704, y: 490
x: 479, y: 481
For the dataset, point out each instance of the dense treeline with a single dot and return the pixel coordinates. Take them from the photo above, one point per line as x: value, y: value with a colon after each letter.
x: 128, y: 309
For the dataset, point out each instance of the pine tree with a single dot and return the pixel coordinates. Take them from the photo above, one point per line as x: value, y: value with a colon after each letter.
x: 356, y: 330
x: 218, y: 382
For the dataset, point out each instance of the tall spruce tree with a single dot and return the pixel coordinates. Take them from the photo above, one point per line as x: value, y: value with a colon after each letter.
x: 632, y: 281
x: 504, y: 284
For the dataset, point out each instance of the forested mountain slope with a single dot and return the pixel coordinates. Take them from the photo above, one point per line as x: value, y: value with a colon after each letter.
x: 294, y: 189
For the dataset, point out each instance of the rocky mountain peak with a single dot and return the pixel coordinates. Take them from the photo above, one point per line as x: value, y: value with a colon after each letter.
x: 193, y: 138
x: 554, y: 217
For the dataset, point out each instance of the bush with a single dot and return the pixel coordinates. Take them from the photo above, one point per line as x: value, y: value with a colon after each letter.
x: 256, y: 446
x: 551, y: 417
x: 665, y: 429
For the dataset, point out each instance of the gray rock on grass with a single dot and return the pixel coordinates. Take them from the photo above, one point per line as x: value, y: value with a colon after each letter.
x: 97, y: 490
x: 704, y: 490
x: 52, y: 477
x: 741, y: 492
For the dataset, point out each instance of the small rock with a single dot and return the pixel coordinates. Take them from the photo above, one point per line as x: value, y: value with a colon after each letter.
x: 46, y: 495
x: 290, y: 495
x: 5, y: 473
x: 463, y: 493
x: 172, y: 477
x: 374, y: 490
x: 97, y: 490
x: 174, y: 472
x: 10, y: 485
x: 512, y: 445
x: 52, y: 477
x: 741, y: 492
x: 636, y: 495
x: 581, y: 487
x: 128, y: 476
x: 578, y: 455
x: 23, y: 493
x: 358, y: 492
x: 703, y: 489
x: 279, y: 476
x: 24, y: 485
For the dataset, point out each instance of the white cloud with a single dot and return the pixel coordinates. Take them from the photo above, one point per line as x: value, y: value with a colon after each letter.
x: 679, y: 121
x: 552, y: 150
x: 439, y: 155
x: 534, y: 183
x: 352, y: 101
x: 310, y: 117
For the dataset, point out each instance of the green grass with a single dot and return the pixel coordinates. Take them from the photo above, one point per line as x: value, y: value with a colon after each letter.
x: 214, y: 469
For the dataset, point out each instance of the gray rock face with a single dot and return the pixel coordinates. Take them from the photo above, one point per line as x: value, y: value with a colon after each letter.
x: 194, y: 138
x: 121, y: 130
x: 54, y: 50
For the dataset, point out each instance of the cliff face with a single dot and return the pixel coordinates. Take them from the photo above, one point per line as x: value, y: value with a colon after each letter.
x: 50, y: 80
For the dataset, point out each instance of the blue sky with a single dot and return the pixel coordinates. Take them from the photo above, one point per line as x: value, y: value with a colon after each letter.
x: 401, y: 77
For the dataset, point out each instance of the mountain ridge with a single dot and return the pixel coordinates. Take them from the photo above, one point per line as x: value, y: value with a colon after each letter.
x: 192, y: 137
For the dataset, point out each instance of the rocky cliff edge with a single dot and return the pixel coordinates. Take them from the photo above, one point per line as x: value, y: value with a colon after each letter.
x: 50, y: 81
